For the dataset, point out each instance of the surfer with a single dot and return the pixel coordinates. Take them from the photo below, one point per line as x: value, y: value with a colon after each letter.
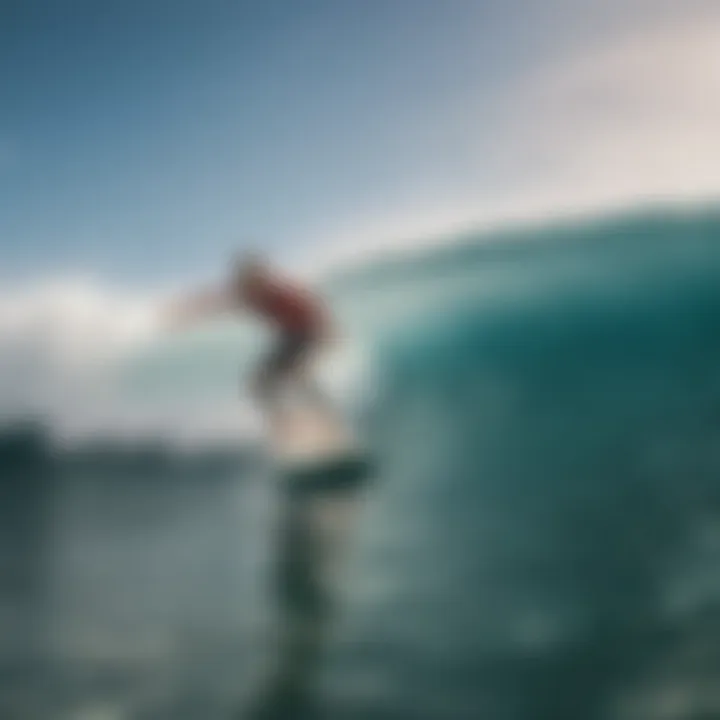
x: 313, y: 495
x: 299, y: 317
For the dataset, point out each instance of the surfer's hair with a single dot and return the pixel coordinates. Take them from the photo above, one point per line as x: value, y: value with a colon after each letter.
x: 250, y: 262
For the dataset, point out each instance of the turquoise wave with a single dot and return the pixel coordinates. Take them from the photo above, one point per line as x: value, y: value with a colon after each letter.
x: 544, y: 538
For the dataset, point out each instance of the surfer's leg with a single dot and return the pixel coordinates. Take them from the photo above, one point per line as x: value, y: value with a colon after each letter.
x: 314, y: 393
x: 293, y: 362
x: 275, y: 369
x: 284, y: 362
x: 307, y: 381
x: 290, y: 360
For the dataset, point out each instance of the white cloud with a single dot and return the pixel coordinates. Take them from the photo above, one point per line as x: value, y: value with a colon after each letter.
x: 636, y: 118
x: 60, y: 342
x: 78, y: 320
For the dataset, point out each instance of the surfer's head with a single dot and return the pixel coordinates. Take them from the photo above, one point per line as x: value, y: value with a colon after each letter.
x: 250, y: 267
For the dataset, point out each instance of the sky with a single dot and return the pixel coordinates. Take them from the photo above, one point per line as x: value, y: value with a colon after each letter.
x: 142, y: 143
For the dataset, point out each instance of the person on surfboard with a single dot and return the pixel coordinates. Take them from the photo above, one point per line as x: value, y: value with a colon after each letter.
x: 298, y: 315
x: 303, y: 589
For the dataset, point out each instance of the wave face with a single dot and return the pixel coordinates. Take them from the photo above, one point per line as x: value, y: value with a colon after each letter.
x: 542, y: 541
x: 545, y: 537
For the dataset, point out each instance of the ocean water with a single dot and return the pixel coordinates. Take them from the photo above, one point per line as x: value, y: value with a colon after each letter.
x: 542, y: 539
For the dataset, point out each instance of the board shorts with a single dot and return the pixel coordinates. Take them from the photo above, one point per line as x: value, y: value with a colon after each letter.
x: 287, y: 352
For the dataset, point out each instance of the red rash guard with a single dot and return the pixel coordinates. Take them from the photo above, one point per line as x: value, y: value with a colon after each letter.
x: 287, y: 307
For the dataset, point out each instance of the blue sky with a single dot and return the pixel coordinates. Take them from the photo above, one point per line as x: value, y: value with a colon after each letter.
x: 144, y: 140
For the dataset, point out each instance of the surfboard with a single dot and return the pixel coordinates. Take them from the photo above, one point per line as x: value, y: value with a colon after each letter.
x: 312, y: 435
x: 317, y: 449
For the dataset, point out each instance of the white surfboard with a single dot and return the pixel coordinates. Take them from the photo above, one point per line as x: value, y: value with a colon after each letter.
x: 311, y: 436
